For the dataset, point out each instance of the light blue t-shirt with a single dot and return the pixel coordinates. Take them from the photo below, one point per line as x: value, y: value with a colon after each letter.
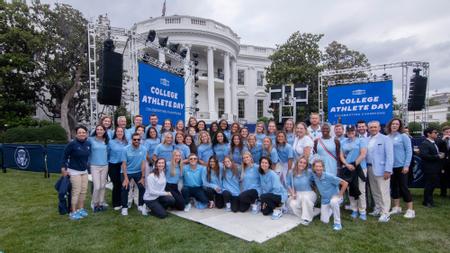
x: 115, y: 149
x: 204, y: 152
x: 236, y: 154
x: 402, y: 150
x: 184, y: 149
x: 290, y: 138
x: 175, y: 178
x: 256, y: 152
x: 221, y: 150
x: 260, y: 138
x: 328, y: 186
x: 193, y: 178
x: 270, y: 183
x: 251, y: 179
x: 99, y: 152
x: 150, y: 145
x: 164, y: 151
x: 216, y: 180
x: 352, y: 148
x: 133, y: 158
x: 230, y: 182
x: 285, y: 152
x: 273, y: 155
x: 300, y: 183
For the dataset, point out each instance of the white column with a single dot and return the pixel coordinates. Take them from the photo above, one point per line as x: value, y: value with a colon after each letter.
x: 188, y: 80
x: 161, y: 55
x: 234, y: 74
x: 226, y: 85
x: 211, y: 95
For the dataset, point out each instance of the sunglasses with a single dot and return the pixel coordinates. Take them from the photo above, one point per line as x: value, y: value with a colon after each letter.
x: 136, y: 139
x: 193, y: 158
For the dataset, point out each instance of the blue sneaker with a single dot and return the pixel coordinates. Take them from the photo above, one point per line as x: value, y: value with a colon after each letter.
x: 337, y: 227
x: 363, y: 216
x: 82, y: 212
x: 75, y: 216
x: 354, y: 214
x: 277, y: 213
x: 201, y: 205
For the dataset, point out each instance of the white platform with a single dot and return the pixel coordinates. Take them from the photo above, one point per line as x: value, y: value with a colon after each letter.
x: 246, y: 226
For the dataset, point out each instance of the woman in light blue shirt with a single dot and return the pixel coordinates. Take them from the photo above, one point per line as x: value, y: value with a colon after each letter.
x: 230, y: 183
x: 115, y: 148
x: 221, y: 146
x: 251, y: 184
x: 237, y: 148
x: 272, y: 131
x: 260, y: 132
x: 254, y: 147
x: 273, y: 193
x: 99, y: 166
x: 402, y: 159
x: 182, y: 147
x: 269, y: 151
x: 289, y: 130
x: 285, y: 155
x: 204, y: 149
x: 302, y: 197
x: 212, y: 183
x: 165, y: 148
x: 174, y: 171
x: 353, y: 154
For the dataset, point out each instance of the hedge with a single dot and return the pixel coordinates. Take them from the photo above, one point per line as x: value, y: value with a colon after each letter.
x: 53, y: 133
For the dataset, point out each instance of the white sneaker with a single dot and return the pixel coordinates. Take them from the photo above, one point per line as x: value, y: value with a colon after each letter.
x: 255, y: 208
x: 187, y: 208
x: 117, y: 208
x: 140, y: 208
x: 144, y: 210
x: 277, y: 213
x: 410, y: 214
x: 384, y: 218
x: 228, y: 207
x: 348, y: 207
x: 396, y: 210
x: 375, y: 213
x: 304, y: 222
x: 124, y: 211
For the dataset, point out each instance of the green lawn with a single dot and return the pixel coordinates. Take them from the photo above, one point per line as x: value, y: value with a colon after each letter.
x: 29, y: 222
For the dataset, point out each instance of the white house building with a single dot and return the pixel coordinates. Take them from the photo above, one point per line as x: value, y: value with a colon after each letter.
x: 231, y: 75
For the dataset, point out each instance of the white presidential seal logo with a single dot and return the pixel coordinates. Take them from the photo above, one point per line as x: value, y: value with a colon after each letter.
x: 164, y: 82
x: 22, y: 157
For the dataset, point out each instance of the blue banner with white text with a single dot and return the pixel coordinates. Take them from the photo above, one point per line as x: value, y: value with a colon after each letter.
x: 362, y: 101
x: 160, y: 93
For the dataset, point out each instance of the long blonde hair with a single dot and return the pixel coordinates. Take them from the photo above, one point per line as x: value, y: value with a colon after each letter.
x: 173, y: 163
x: 296, y: 171
x: 244, y: 166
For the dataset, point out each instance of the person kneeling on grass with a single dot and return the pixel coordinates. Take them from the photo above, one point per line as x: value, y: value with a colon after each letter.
x: 212, y: 183
x: 273, y: 194
x: 193, y: 185
x: 302, y: 197
x: 155, y: 197
x: 328, y: 186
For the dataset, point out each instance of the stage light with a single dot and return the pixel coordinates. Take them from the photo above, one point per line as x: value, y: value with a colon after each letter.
x: 174, y: 47
x: 151, y: 36
x: 195, y: 62
x: 183, y: 53
x: 196, y: 94
x: 163, y: 41
x: 195, y: 55
x: 196, y: 85
x: 108, y: 45
x: 197, y: 109
x: 195, y: 71
x: 195, y: 79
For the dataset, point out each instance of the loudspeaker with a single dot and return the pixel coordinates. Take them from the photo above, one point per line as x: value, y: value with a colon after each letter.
x: 110, y: 73
x: 417, y: 92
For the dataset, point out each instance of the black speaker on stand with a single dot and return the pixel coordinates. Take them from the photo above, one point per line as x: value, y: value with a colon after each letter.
x: 417, y: 91
x: 111, y: 74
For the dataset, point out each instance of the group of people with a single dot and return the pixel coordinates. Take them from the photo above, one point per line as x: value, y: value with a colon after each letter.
x: 269, y: 171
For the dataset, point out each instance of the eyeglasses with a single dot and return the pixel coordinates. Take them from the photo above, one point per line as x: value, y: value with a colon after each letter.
x: 193, y: 158
x: 136, y: 139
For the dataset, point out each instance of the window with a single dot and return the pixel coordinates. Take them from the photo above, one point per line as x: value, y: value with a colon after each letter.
x: 260, y: 108
x: 241, y: 76
x: 221, y: 106
x: 259, y: 78
x: 241, y: 108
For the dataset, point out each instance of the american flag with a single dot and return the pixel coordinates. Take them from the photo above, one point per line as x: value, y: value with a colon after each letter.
x: 164, y: 9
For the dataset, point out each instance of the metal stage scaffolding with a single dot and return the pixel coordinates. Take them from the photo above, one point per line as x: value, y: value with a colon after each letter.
x: 368, y: 71
x: 134, y: 48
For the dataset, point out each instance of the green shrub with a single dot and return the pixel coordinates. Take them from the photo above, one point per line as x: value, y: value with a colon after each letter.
x: 415, y: 128
x: 48, y: 133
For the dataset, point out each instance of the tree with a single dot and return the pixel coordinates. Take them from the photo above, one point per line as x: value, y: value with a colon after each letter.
x: 64, y: 64
x: 297, y: 61
x: 20, y: 44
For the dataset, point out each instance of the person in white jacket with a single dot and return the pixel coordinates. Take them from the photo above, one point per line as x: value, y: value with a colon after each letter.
x: 155, y: 197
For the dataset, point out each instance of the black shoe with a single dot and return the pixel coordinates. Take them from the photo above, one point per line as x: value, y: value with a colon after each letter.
x: 427, y: 205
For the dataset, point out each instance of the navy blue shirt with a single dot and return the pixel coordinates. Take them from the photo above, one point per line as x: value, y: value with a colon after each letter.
x: 76, y: 155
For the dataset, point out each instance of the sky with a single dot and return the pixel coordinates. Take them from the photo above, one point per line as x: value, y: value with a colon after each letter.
x: 386, y: 31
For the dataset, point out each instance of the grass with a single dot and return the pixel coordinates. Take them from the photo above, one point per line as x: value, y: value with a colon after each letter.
x: 29, y: 222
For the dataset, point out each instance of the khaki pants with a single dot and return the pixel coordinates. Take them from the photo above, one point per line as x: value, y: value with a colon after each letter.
x: 79, y: 190
x: 303, y: 205
x: 360, y: 203
x: 381, y: 191
x: 99, y: 177
x: 332, y: 208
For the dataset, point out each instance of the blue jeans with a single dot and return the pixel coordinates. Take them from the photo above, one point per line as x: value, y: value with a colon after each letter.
x: 124, y: 197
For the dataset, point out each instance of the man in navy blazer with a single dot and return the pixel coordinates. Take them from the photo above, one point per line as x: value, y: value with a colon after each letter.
x: 380, y: 161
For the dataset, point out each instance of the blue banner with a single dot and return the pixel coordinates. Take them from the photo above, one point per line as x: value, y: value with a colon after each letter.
x: 24, y: 157
x: 54, y: 157
x: 362, y: 101
x: 160, y: 93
